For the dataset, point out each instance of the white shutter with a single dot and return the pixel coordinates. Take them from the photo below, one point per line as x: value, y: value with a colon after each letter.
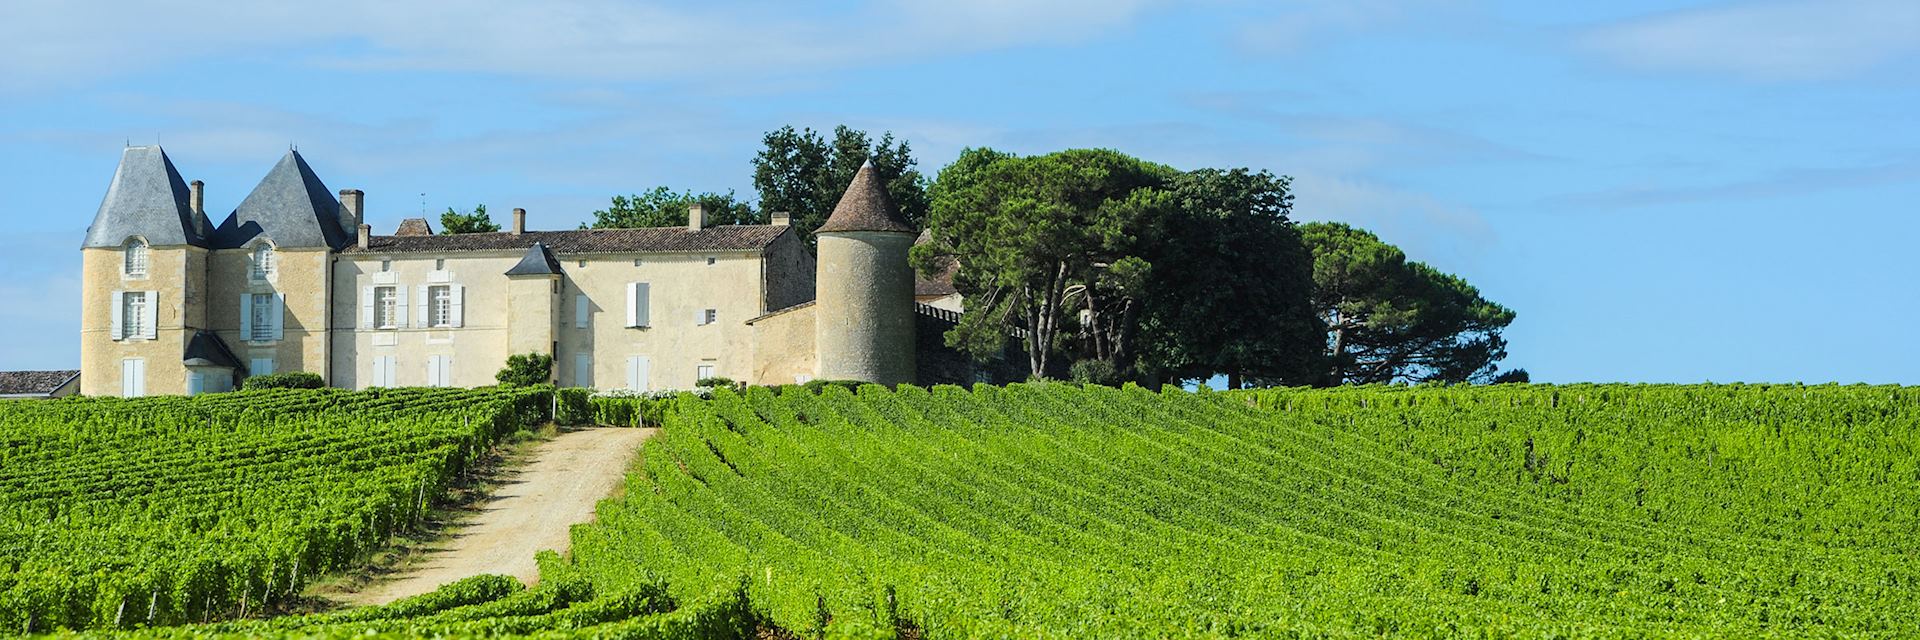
x: 633, y: 304
x: 117, y: 314
x: 580, y: 311
x: 456, y: 316
x: 279, y: 316
x: 133, y: 377
x: 246, y: 317
x: 366, y: 307
x: 433, y: 371
x: 421, y: 310
x: 400, y: 306
x: 699, y: 317
x: 637, y: 373
x: 152, y: 324
x: 642, y: 305
x: 582, y: 370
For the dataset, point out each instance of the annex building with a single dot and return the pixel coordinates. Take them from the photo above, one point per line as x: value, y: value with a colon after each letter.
x: 294, y: 280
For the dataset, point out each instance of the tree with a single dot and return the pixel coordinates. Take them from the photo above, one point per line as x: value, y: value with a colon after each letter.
x: 526, y: 369
x: 1037, y: 236
x: 662, y: 207
x: 1391, y: 319
x: 453, y: 222
x: 1232, y: 289
x: 804, y: 174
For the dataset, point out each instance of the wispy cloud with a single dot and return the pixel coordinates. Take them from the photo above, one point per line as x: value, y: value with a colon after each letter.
x: 56, y: 42
x: 1785, y: 182
x: 1778, y: 40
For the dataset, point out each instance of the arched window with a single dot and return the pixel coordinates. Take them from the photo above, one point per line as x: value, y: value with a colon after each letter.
x: 262, y: 261
x: 136, y: 257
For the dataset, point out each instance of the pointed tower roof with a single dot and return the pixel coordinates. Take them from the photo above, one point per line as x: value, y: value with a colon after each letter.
x: 291, y: 206
x: 148, y: 199
x: 865, y: 206
x: 538, y: 262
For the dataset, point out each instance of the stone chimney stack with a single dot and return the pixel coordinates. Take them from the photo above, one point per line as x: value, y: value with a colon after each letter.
x: 519, y: 221
x: 197, y: 197
x: 696, y: 216
x: 366, y: 235
x: 353, y: 207
x: 782, y: 218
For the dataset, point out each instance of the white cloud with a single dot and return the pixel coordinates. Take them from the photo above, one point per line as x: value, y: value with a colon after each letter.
x: 1782, y: 40
x: 54, y: 42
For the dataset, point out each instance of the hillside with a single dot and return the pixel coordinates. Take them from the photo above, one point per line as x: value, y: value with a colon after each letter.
x: 1058, y: 511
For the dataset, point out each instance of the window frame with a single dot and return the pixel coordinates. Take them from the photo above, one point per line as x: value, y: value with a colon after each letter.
x: 386, y: 310
x: 133, y: 315
x: 440, y: 306
x: 264, y: 264
x: 135, y: 253
x: 261, y: 324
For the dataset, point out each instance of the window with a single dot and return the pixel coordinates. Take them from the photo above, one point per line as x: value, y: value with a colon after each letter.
x: 582, y: 312
x: 385, y: 308
x: 439, y: 371
x: 638, y: 308
x: 263, y: 262
x: 383, y: 372
x: 711, y: 261
x: 439, y: 264
x: 133, y: 314
x: 702, y: 372
x: 708, y: 316
x: 583, y: 264
x: 636, y: 262
x: 386, y: 266
x: 136, y: 259
x: 133, y: 377
x: 260, y: 366
x: 440, y: 306
x: 260, y: 327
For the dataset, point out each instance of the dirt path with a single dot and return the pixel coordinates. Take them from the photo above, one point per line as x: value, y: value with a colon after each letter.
x: 556, y: 489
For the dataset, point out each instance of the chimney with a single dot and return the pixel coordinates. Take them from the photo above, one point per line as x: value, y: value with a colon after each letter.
x: 353, y: 207
x: 519, y: 221
x: 197, y: 197
x: 696, y: 216
x: 366, y: 235
x: 782, y: 218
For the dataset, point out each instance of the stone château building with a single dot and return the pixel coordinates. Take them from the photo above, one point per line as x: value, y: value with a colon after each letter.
x: 294, y: 280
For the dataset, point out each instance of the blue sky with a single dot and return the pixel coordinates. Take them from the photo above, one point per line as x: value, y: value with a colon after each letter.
x: 1665, y: 192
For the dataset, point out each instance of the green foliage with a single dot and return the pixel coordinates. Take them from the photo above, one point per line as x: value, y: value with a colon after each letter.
x: 816, y: 387
x: 717, y: 382
x: 572, y: 406
x: 1099, y: 372
x: 526, y: 369
x: 804, y: 174
x: 662, y: 207
x: 477, y: 221
x: 288, y: 380
x: 1391, y: 319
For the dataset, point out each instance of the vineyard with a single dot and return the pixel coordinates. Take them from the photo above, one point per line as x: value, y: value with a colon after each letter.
x: 1050, y: 510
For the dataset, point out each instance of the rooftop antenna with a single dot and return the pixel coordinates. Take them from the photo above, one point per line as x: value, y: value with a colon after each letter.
x: 423, y: 205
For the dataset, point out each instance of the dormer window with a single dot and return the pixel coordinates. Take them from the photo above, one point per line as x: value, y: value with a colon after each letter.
x: 136, y: 259
x: 263, y: 262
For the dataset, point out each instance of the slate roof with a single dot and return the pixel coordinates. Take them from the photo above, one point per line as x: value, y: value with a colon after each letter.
x: 147, y: 198
x: 209, y: 350
x: 650, y: 240
x: 292, y: 207
x: 34, y: 383
x: 865, y: 206
x: 941, y: 282
x: 538, y: 262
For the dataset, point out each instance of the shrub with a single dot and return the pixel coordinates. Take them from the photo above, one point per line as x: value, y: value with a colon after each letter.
x: 526, y: 369
x: 571, y: 406
x: 288, y: 380
x: 717, y: 382
x: 816, y: 386
x: 1100, y: 372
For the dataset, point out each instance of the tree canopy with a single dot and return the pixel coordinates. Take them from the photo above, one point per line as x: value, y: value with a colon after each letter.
x: 477, y: 221
x: 663, y: 207
x: 1391, y: 319
x: 804, y: 174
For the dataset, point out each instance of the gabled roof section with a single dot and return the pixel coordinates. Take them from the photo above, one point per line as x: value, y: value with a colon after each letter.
x: 207, y: 349
x: 290, y: 206
x: 538, y: 262
x: 754, y: 237
x: 414, y: 227
x: 35, y: 383
x: 945, y: 267
x: 865, y: 206
x: 148, y: 199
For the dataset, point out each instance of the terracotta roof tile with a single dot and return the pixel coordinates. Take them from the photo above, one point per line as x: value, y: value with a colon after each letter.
x: 650, y: 240
x: 865, y: 206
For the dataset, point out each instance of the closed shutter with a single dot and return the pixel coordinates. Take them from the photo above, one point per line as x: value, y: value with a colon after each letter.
x: 580, y: 312
x: 118, y: 313
x: 637, y: 373
x: 133, y: 377
x: 422, y: 316
x: 582, y: 370
x: 456, y: 316
x: 433, y: 371
x: 366, y: 307
x: 699, y: 317
x: 246, y: 316
x: 633, y: 304
x: 152, y: 324
x: 400, y: 307
x: 279, y: 316
x: 642, y: 305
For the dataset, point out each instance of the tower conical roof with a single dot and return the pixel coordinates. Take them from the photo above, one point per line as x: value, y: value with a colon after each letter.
x: 147, y: 199
x: 291, y: 206
x: 865, y: 206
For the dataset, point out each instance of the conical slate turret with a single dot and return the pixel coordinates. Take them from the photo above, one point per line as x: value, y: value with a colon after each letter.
x: 147, y: 199
x: 865, y: 206
x: 291, y: 206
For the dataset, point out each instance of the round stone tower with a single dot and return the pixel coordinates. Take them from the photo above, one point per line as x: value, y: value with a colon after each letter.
x: 863, y: 324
